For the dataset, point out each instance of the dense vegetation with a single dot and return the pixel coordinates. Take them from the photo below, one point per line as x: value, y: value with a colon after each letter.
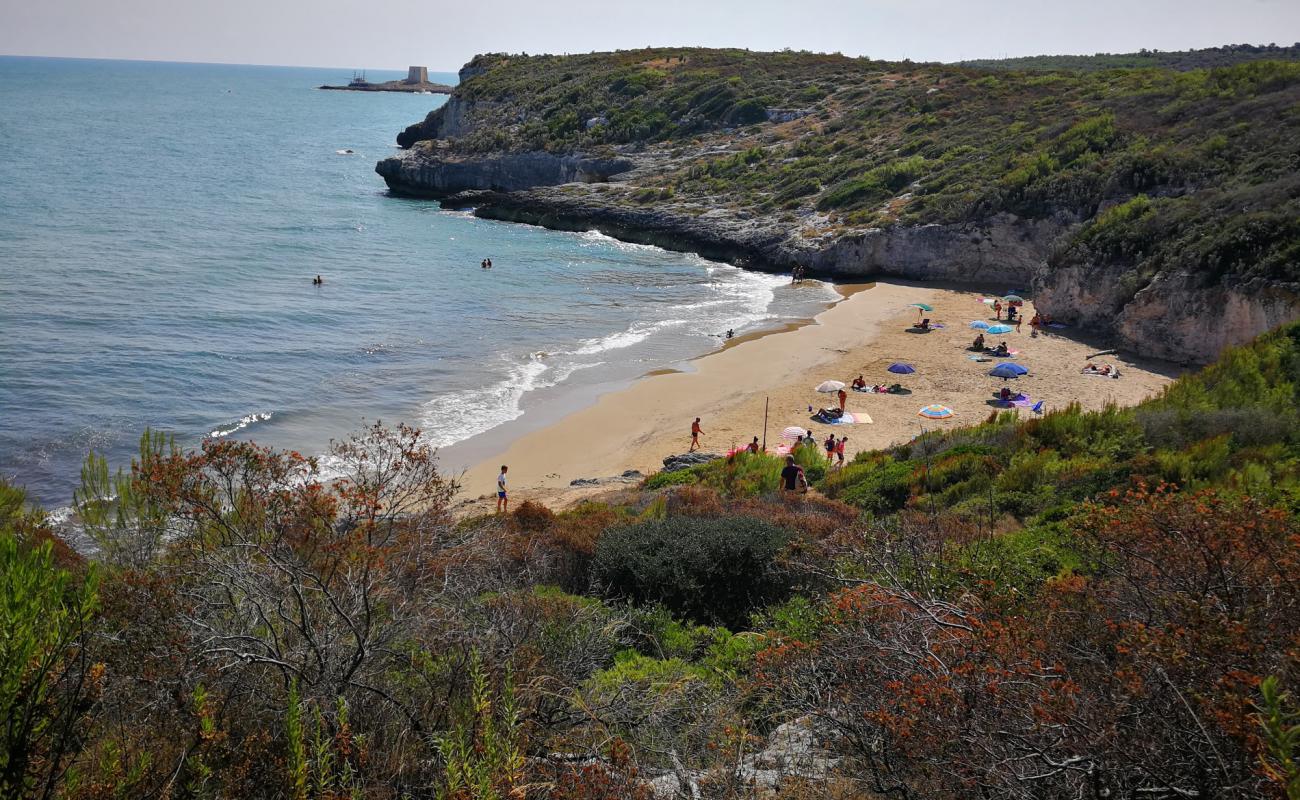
x: 1205, y: 58
x: 1088, y: 604
x: 1202, y: 161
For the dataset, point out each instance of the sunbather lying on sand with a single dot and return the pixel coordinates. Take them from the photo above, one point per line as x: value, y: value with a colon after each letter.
x: 1105, y: 370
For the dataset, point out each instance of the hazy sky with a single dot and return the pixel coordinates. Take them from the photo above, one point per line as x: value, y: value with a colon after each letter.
x: 443, y: 35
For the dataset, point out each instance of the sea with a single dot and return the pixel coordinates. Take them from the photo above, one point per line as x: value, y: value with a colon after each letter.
x: 160, y: 227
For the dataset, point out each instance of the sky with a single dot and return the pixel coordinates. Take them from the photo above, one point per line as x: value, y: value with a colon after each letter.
x: 377, y: 34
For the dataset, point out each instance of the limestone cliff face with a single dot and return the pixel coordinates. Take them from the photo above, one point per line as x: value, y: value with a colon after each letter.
x: 425, y: 171
x: 1002, y: 251
x: 1177, y: 318
x: 452, y: 119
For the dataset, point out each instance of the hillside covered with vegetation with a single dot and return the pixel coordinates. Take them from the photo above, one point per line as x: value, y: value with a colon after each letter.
x: 1205, y: 58
x: 1085, y: 604
x: 1132, y: 173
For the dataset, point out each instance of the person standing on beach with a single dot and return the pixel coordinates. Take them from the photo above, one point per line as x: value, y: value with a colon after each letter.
x: 1019, y: 319
x: 997, y: 310
x: 844, y: 398
x: 503, y: 502
x: 839, y: 451
x: 829, y: 444
x: 695, y: 435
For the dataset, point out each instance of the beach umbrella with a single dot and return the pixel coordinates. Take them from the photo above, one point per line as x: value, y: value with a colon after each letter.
x: 1014, y: 299
x: 830, y: 387
x: 922, y: 306
x: 900, y: 368
x: 1000, y: 329
x: 980, y: 325
x: 1008, y: 369
x: 936, y: 411
x: 793, y: 433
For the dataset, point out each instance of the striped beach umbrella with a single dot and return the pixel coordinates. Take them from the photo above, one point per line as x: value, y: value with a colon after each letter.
x: 936, y: 411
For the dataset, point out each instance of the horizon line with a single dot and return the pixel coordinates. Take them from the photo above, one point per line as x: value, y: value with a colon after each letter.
x: 218, y: 63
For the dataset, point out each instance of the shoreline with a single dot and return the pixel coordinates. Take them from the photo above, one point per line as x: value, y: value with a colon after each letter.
x: 635, y: 426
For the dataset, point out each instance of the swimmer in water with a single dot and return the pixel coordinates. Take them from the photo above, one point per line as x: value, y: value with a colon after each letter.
x: 317, y: 281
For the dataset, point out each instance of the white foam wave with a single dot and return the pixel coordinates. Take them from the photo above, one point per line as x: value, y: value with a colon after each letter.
x: 455, y: 416
x: 243, y: 422
x: 636, y: 333
x: 598, y: 238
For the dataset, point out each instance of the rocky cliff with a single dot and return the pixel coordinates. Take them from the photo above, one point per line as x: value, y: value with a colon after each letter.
x: 896, y: 171
x: 429, y: 171
x: 1176, y: 317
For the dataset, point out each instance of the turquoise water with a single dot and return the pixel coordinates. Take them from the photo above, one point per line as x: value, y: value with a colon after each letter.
x: 159, y: 228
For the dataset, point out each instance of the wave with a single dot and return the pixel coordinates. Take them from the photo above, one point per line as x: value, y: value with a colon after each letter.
x: 589, y: 238
x: 636, y: 333
x: 244, y: 422
x: 457, y: 416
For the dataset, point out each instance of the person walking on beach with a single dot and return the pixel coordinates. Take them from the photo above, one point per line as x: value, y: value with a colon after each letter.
x: 1019, y: 319
x: 793, y: 478
x: 839, y: 451
x: 695, y: 435
x: 829, y: 444
x: 503, y: 502
x: 844, y: 398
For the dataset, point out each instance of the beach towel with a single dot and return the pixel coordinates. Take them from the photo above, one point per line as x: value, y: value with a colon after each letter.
x: 850, y: 418
x: 1022, y: 401
x: 980, y: 358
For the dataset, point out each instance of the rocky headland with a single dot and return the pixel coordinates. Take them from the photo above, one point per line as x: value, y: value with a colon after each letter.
x: 1150, y: 226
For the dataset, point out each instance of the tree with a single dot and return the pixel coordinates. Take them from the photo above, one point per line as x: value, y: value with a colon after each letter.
x: 47, y: 680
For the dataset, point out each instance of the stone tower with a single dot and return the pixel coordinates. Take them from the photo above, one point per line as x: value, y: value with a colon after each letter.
x: 417, y: 75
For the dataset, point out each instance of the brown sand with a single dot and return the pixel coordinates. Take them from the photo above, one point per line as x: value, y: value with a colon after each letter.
x: 637, y: 427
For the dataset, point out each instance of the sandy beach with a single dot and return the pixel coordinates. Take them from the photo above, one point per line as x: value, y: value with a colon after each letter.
x: 637, y: 427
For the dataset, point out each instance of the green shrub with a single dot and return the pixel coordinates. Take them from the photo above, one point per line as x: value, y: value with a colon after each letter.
x: 715, y: 570
x: 680, y: 477
x: 882, y: 490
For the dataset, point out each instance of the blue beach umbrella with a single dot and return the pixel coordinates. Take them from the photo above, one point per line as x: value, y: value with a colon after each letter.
x: 902, y: 369
x: 980, y: 324
x: 1000, y: 329
x: 1008, y: 369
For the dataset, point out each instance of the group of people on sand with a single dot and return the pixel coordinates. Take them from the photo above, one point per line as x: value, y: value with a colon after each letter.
x: 798, y: 274
x: 1001, y: 351
x: 860, y: 385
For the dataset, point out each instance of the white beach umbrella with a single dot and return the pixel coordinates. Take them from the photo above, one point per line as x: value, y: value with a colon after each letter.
x: 830, y: 387
x: 793, y: 433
